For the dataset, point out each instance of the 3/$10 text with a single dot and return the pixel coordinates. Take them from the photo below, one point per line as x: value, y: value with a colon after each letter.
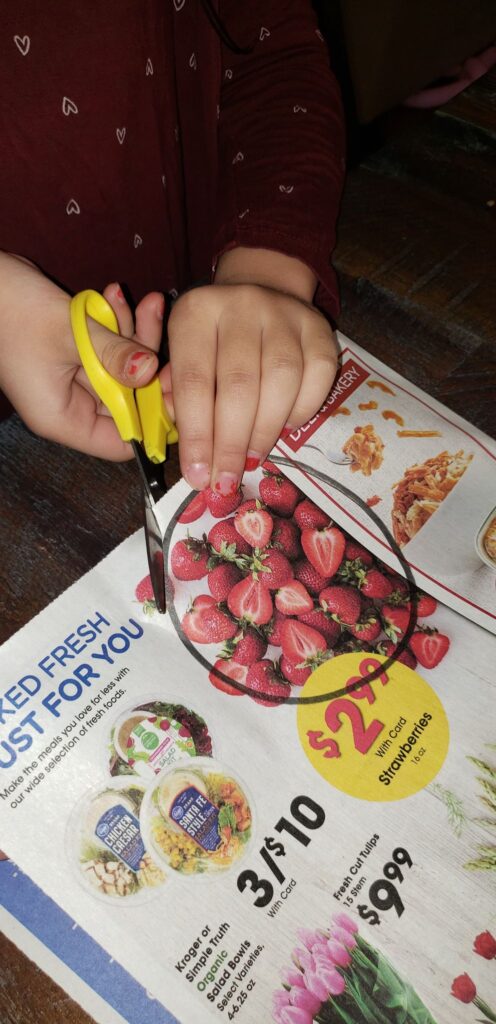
x: 110, y: 642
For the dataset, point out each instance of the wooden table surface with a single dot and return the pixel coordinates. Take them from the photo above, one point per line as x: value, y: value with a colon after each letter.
x: 417, y: 265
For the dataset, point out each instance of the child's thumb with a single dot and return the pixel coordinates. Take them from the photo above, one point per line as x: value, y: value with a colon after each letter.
x: 128, y: 362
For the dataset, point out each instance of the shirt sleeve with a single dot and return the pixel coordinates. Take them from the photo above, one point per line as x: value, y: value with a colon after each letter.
x: 281, y: 138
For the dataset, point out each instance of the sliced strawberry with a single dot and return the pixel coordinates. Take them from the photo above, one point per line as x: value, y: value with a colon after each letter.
x: 264, y: 679
x: 255, y: 525
x: 189, y: 559
x: 286, y: 538
x: 246, y: 647
x: 271, y: 568
x: 226, y: 540
x: 324, y: 549
x: 222, y: 579
x: 194, y: 509
x: 295, y: 675
x: 237, y: 673
x: 429, y: 647
x: 323, y: 623
x: 279, y: 493
x: 309, y: 516
x: 221, y: 505
x: 311, y: 579
x: 251, y: 602
x: 192, y: 620
x: 389, y: 649
x: 293, y: 599
x: 343, y: 603
x: 300, y: 643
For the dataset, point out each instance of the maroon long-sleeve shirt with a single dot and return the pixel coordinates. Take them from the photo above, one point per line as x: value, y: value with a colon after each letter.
x: 136, y: 147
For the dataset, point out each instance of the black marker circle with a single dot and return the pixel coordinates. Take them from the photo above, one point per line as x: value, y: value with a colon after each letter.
x: 281, y: 460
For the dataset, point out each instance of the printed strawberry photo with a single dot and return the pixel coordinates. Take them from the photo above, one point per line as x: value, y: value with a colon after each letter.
x: 267, y: 588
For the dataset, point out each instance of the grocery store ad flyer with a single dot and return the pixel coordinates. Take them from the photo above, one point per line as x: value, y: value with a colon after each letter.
x: 417, y: 473
x: 259, y: 806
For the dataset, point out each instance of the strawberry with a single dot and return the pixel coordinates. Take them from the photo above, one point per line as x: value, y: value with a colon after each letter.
x: 353, y: 550
x: 251, y: 602
x: 264, y: 679
x: 248, y: 506
x: 279, y: 493
x: 220, y: 505
x: 309, y: 516
x: 255, y: 525
x: 237, y: 673
x: 271, y: 568
x: 426, y: 605
x: 343, y: 603
x: 323, y: 623
x: 295, y: 675
x: 324, y: 549
x: 293, y: 599
x: 144, y: 594
x: 367, y: 629
x: 222, y: 579
x: 194, y: 509
x: 189, y: 559
x: 246, y: 647
x: 226, y: 540
x: 191, y: 621
x: 273, y: 628
x: 396, y: 621
x: 216, y: 625
x: 311, y: 579
x: 270, y: 467
x: 429, y: 647
x: 374, y: 584
x: 300, y: 643
x: 286, y: 538
x: 389, y: 650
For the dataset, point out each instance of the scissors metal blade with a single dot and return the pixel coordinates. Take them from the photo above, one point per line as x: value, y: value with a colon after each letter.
x: 154, y: 488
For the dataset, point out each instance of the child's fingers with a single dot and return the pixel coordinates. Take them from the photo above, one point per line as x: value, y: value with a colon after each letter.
x: 320, y: 353
x: 115, y: 297
x: 281, y: 374
x: 149, y: 320
x: 192, y: 331
x: 236, y: 399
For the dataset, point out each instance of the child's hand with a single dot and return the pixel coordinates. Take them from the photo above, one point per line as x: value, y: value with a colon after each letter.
x: 40, y: 369
x: 250, y: 355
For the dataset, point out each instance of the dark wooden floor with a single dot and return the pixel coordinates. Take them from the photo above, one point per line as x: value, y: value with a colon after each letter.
x: 417, y: 264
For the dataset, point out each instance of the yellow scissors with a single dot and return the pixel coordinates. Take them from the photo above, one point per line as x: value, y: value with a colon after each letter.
x: 140, y: 417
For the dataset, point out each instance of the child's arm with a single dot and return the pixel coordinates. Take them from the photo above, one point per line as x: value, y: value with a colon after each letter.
x: 252, y: 354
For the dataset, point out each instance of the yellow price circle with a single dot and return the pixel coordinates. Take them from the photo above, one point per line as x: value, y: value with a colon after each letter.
x: 384, y: 740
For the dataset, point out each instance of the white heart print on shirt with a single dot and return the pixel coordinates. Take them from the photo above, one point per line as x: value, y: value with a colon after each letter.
x: 149, y: 67
x: 286, y: 188
x: 121, y: 135
x: 192, y: 61
x: 264, y: 33
x: 72, y: 207
x: 23, y: 43
x: 69, y: 107
x: 238, y: 158
x: 179, y: 4
x: 299, y: 110
x: 137, y: 241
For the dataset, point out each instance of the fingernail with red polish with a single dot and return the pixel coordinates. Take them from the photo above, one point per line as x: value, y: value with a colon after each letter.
x: 137, y: 364
x: 226, y: 483
x: 198, y: 475
x: 287, y: 430
x: 253, y: 460
x: 119, y: 294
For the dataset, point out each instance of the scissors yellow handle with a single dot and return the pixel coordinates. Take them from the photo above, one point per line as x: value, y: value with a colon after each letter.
x: 139, y: 415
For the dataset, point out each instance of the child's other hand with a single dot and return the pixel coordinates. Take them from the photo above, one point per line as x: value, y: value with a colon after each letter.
x: 40, y: 368
x: 250, y: 356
